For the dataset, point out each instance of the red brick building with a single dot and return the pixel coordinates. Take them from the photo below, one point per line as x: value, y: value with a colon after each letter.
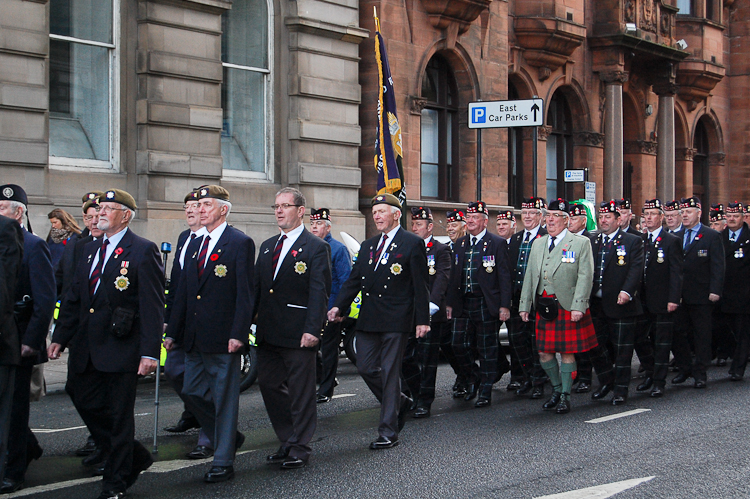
x: 650, y: 96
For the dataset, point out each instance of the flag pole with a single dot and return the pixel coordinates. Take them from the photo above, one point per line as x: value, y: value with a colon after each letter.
x: 375, y: 15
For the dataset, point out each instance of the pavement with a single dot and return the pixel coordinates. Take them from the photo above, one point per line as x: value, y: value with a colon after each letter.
x: 690, y: 443
x: 56, y: 374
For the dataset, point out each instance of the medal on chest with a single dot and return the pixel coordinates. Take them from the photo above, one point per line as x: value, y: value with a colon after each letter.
x: 431, y: 264
x: 568, y: 256
x: 488, y: 262
x: 739, y: 253
x: 659, y: 255
x: 621, y: 253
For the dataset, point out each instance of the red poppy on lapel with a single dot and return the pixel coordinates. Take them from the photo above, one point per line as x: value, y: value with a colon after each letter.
x: 214, y: 257
x: 118, y: 251
x: 698, y: 236
x: 429, y: 245
x: 294, y: 253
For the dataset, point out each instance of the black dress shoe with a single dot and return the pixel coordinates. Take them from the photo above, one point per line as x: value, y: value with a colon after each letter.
x: 136, y: 469
x: 619, y: 400
x: 279, y: 457
x: 405, y: 408
x: 735, y: 377
x: 111, y: 494
x: 552, y: 402
x: 9, y: 485
x: 471, y: 391
x: 482, y: 402
x: 95, y: 459
x: 293, y: 463
x: 219, y: 474
x: 183, y: 425
x: 699, y: 383
x: 680, y: 378
x: 200, y: 452
x: 537, y: 392
x: 656, y: 392
x: 384, y: 443
x: 525, y: 388
x: 513, y: 385
x: 564, y: 406
x: 87, y: 449
x: 421, y: 412
x: 646, y: 385
x: 583, y: 387
x: 459, y: 392
x: 322, y: 399
x: 602, y: 391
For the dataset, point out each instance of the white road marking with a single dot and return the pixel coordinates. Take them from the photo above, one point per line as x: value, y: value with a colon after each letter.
x: 54, y: 486
x: 56, y: 430
x: 342, y: 395
x: 600, y: 491
x: 618, y: 416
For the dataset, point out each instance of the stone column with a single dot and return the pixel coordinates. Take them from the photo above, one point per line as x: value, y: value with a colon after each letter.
x: 665, y: 152
x: 613, y: 171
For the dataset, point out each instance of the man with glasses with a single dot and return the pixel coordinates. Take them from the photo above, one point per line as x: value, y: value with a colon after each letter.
x: 479, y: 296
x: 211, y: 320
x: 174, y: 366
x: 704, y: 277
x: 673, y: 216
x: 735, y: 303
x: 521, y: 333
x: 455, y: 226
x: 115, y: 311
x: 558, y: 283
x: 292, y: 284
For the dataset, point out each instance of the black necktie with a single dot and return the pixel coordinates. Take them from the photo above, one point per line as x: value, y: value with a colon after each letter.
x: 651, y: 238
x: 733, y: 237
x: 528, y: 235
x: 552, y: 245
x: 473, y: 241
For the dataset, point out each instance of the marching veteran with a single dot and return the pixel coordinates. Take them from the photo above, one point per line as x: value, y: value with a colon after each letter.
x: 558, y: 281
x: 115, y: 310
x: 292, y: 283
x: 391, y: 272
x: 211, y: 319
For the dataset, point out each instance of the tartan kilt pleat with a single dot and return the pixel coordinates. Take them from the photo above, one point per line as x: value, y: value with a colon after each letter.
x: 565, y: 336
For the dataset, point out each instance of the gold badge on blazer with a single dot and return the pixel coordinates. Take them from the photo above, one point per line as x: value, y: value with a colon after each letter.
x: 220, y: 270
x: 300, y: 268
x: 122, y: 283
x: 396, y: 269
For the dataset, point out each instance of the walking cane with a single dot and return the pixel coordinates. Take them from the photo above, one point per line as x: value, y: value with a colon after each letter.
x: 166, y: 249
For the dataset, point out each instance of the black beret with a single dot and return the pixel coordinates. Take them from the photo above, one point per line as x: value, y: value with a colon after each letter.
x: 691, y: 202
x: 673, y: 205
x: 609, y: 207
x: 320, y: 214
x: 455, y: 216
x: 477, y: 207
x: 13, y: 192
x: 624, y: 203
x: 577, y: 209
x: 506, y: 215
x: 653, y: 204
x: 533, y: 203
x: 735, y: 207
x: 559, y: 204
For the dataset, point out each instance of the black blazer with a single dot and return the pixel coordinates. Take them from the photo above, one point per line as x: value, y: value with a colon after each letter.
x: 662, y: 283
x: 220, y: 303
x: 396, y: 295
x: 66, y: 266
x: 736, y: 297
x: 703, y: 267
x: 85, y: 322
x: 296, y: 301
x: 439, y: 275
x: 514, y: 248
x: 626, y: 277
x: 37, y: 280
x: 175, y: 273
x: 11, y: 256
x: 495, y: 285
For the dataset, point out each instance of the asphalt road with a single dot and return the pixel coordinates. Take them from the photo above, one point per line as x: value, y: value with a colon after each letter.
x: 694, y: 443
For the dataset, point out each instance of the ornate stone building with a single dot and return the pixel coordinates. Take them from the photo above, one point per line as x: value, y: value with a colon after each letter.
x: 158, y: 96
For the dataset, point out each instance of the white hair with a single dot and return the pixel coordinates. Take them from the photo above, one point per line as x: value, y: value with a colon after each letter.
x: 128, y: 210
x: 394, y: 210
x: 14, y: 205
x: 221, y: 203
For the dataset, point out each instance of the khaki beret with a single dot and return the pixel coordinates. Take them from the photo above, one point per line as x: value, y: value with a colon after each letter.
x: 118, y: 196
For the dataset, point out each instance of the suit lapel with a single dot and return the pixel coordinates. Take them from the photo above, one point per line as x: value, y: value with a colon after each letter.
x: 291, y: 256
x: 556, y: 254
x: 696, y: 238
x: 213, y: 259
x: 114, y: 264
x: 390, y: 248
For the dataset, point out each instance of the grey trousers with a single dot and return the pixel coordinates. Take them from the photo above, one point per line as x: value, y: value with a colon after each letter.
x: 379, y: 357
x: 212, y: 382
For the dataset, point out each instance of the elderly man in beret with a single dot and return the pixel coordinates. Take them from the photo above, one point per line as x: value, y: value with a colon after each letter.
x: 115, y: 310
x: 734, y: 304
x: 479, y: 296
x: 211, y: 320
x: 391, y: 273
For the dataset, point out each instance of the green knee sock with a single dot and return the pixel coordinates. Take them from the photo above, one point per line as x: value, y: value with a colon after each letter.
x: 566, y: 371
x: 552, y: 369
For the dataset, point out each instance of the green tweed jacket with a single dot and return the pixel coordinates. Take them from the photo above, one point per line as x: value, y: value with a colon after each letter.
x: 567, y: 272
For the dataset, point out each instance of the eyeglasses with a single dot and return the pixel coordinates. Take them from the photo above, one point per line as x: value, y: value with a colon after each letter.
x: 105, y: 209
x: 556, y: 216
x: 88, y: 218
x: 284, y: 206
x: 189, y: 207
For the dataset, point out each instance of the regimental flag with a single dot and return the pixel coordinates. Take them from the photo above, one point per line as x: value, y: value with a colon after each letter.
x: 388, y: 144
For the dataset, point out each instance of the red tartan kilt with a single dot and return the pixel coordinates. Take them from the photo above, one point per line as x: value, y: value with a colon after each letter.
x: 565, y: 336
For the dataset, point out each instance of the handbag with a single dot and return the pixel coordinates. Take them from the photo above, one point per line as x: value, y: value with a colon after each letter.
x: 122, y: 322
x: 547, y: 307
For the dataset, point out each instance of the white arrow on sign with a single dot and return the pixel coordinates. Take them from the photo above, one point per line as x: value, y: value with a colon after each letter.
x: 600, y: 491
x: 506, y: 113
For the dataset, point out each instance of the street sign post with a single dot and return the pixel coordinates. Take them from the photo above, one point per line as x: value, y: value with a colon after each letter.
x: 591, y: 192
x: 575, y: 176
x: 506, y: 113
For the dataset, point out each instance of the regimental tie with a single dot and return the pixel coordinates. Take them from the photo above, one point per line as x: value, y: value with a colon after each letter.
x: 202, y: 256
x: 733, y: 236
x: 97, y: 272
x: 688, y: 238
x: 277, y: 251
x: 380, y: 249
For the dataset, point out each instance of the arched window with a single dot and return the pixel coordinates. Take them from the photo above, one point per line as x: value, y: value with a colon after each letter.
x: 439, y: 132
x: 559, y: 146
x: 700, y: 166
x: 245, y: 92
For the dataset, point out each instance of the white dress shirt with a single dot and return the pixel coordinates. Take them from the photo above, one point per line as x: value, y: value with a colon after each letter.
x: 291, y: 238
x: 111, y: 246
x: 198, y: 234
x: 391, y: 235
